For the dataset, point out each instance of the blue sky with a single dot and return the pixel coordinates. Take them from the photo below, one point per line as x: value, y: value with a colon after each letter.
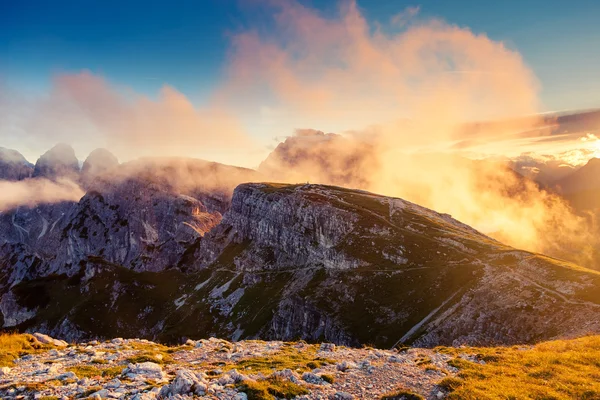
x: 144, y: 44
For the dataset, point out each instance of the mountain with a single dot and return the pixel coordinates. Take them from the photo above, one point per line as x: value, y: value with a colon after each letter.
x: 98, y: 162
x: 13, y: 166
x: 582, y: 187
x: 285, y: 262
x: 59, y: 161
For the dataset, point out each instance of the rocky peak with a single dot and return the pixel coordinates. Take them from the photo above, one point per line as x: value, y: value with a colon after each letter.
x: 57, y: 162
x: 13, y: 166
x: 99, y: 161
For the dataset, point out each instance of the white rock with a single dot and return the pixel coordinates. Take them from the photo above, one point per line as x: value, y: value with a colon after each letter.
x: 67, y: 375
x: 102, y: 393
x: 117, y: 341
x: 395, y: 359
x: 241, y: 396
x: 185, y: 382
x: 4, y: 371
x: 346, y: 365
x: 48, y: 340
x: 327, y: 347
x: 115, y: 383
x: 145, y: 370
x: 144, y: 396
x: 287, y: 374
x: 343, y: 396
x: 225, y: 380
x: 312, y: 378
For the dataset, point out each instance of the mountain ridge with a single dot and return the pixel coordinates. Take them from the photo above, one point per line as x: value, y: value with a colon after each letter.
x: 320, y: 263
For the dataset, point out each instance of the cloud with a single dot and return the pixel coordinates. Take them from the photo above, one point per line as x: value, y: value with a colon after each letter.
x: 402, y: 18
x: 84, y: 109
x: 400, y: 95
x: 33, y: 192
x: 340, y: 69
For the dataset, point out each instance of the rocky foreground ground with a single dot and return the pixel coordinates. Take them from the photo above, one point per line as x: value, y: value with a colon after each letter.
x: 40, y: 367
x: 218, y: 369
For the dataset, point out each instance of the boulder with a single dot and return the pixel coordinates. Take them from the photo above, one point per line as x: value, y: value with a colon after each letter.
x: 145, y: 370
x: 185, y: 382
x: 45, y: 339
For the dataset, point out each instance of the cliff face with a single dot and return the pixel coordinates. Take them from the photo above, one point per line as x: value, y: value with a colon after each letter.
x: 287, y: 262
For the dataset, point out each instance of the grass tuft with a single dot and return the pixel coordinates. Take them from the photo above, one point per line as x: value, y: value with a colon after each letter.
x: 159, y: 357
x: 271, y: 388
x: 15, y: 345
x: 328, y: 378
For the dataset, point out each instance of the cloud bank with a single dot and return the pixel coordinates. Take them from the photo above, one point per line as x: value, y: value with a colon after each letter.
x: 34, y: 192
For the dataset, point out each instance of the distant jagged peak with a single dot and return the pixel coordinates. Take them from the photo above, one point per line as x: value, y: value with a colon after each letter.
x: 58, y: 161
x: 99, y: 161
x: 593, y: 162
x: 13, y: 165
x: 12, y: 156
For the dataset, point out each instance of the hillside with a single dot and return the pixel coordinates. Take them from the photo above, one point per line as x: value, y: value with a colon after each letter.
x: 41, y: 367
x: 311, y: 262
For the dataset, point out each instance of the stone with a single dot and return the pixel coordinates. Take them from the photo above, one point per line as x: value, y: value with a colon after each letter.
x: 312, y: 378
x: 342, y: 396
x: 4, y: 371
x: 185, y: 382
x: 237, y: 376
x: 327, y: 347
x: 395, y: 359
x: 145, y: 370
x: 115, y: 383
x: 101, y: 394
x: 287, y: 374
x: 346, y: 365
x: 45, y: 339
x: 225, y: 380
x: 145, y: 396
x: 67, y: 375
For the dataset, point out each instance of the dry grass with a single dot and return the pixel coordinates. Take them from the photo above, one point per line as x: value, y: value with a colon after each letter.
x: 556, y: 370
x: 288, y: 357
x: 15, y: 345
x: 271, y: 388
x: 90, y: 371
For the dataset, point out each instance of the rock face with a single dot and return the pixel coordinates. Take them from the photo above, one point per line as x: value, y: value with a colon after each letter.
x: 137, y: 258
x: 59, y: 161
x: 13, y: 166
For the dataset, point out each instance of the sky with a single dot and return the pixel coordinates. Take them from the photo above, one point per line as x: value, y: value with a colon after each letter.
x: 141, y: 46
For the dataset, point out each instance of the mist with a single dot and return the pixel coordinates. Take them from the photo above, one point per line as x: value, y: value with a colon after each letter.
x: 37, y: 191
